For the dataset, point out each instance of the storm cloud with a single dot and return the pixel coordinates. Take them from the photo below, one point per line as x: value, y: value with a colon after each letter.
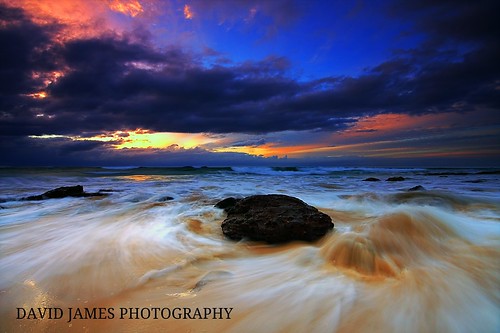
x: 112, y: 82
x: 124, y: 82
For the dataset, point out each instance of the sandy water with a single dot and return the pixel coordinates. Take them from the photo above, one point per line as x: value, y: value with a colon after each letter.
x: 397, y: 261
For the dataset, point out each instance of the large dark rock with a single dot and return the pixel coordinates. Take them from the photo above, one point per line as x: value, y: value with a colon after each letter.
x: 63, y: 192
x: 274, y: 218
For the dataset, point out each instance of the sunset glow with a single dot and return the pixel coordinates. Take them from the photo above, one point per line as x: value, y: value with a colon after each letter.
x: 39, y: 95
x: 130, y: 7
x: 399, y: 122
x: 139, y: 139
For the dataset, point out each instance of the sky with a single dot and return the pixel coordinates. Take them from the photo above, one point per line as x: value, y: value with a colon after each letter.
x: 250, y: 82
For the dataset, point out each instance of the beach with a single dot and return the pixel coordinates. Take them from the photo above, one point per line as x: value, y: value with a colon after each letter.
x: 150, y: 255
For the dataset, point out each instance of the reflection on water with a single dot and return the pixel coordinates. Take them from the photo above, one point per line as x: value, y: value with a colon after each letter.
x: 395, y: 262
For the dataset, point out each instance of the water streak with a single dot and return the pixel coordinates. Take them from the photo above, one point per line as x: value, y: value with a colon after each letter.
x: 396, y: 261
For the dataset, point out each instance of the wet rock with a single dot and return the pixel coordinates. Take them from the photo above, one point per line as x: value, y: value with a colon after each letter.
x: 274, y: 218
x: 416, y: 188
x: 285, y: 168
x: 489, y: 172
x: 227, y: 203
x: 63, y: 192
x: 371, y: 179
x: 395, y: 179
x: 165, y: 198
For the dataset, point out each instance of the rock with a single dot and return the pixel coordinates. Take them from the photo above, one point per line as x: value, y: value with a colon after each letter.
x: 489, y: 172
x: 63, y: 192
x: 416, y: 188
x: 274, y: 218
x: 285, y: 169
x: 395, y: 179
x: 227, y: 203
x: 165, y: 198
x: 371, y: 179
x: 60, y: 192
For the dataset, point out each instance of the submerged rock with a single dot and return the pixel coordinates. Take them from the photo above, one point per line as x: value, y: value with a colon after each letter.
x: 371, y: 179
x: 165, y: 198
x: 63, y: 192
x: 274, y: 218
x: 285, y: 168
x: 416, y: 188
x: 395, y: 179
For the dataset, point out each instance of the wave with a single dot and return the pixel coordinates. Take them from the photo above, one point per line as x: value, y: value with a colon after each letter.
x: 397, y: 261
x: 294, y: 170
x: 120, y: 167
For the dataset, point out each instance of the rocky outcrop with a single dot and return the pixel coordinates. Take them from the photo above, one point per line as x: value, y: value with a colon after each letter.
x: 65, y: 191
x: 273, y: 218
x: 371, y: 179
x: 395, y: 179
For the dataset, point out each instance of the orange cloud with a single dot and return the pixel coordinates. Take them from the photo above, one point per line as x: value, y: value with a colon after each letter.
x: 188, y: 13
x: 39, y: 95
x: 130, y: 7
x: 77, y: 16
x: 272, y: 149
x: 391, y: 122
x: 82, y: 18
x: 383, y: 135
x: 403, y: 135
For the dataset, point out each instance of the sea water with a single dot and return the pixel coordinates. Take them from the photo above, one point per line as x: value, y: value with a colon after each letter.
x: 136, y: 261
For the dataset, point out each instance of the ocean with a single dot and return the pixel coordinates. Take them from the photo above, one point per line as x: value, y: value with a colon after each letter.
x: 138, y: 261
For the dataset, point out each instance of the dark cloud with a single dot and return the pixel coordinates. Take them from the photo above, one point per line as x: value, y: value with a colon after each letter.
x: 50, y: 150
x: 122, y: 82
x: 25, y: 51
x: 83, y: 146
x: 451, y: 20
x: 21, y: 42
